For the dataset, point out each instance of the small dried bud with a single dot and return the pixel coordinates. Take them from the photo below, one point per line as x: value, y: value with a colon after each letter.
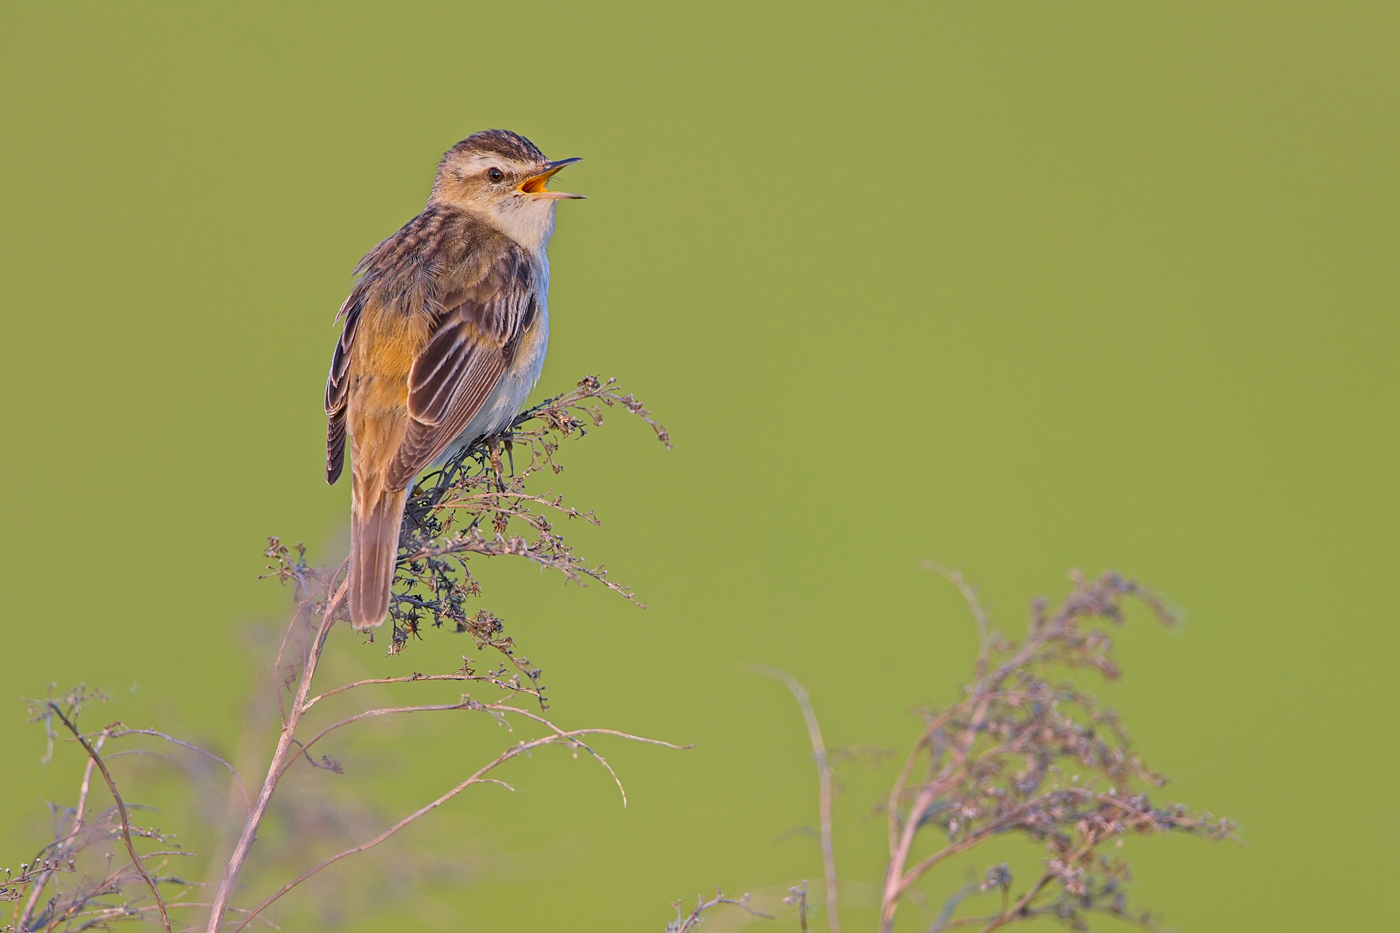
x: 998, y: 876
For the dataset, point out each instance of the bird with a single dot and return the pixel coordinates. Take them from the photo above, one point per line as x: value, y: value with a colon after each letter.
x: 442, y: 339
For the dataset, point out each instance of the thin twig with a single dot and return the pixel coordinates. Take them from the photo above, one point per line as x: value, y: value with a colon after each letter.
x: 896, y: 882
x: 478, y: 777
x: 814, y: 733
x: 501, y: 708
x: 276, y: 766
x: 72, y: 834
x: 413, y: 679
x: 281, y: 649
x: 124, y: 731
x: 979, y: 615
x: 121, y: 810
x: 374, y: 714
x: 686, y: 924
x: 126, y: 910
x: 1015, y: 910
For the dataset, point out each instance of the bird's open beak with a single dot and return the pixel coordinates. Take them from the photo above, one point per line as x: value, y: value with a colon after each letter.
x: 534, y: 185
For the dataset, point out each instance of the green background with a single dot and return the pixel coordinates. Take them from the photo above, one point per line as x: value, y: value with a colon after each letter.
x: 1021, y: 287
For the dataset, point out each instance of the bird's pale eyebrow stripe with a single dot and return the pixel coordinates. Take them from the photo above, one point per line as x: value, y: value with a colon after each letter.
x: 481, y: 163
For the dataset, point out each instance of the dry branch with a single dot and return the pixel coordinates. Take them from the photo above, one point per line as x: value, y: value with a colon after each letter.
x: 96, y: 759
x: 1019, y: 755
x: 465, y: 509
x: 824, y: 772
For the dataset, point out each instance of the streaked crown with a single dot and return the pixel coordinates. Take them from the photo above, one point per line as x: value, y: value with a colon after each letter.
x: 503, y: 143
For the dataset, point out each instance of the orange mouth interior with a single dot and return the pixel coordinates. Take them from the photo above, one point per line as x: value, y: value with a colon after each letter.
x: 535, y: 184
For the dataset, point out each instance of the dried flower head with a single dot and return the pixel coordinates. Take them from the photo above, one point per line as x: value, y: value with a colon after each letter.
x: 1023, y: 755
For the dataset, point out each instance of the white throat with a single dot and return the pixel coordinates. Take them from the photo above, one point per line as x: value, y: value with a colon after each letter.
x: 526, y: 220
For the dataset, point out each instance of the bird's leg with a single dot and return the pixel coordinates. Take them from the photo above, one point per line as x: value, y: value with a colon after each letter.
x: 510, y: 454
x: 493, y: 444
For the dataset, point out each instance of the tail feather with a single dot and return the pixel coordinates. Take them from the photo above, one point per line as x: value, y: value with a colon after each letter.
x: 374, y: 551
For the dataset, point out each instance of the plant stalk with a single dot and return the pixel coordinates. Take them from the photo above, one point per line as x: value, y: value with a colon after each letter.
x: 274, y: 768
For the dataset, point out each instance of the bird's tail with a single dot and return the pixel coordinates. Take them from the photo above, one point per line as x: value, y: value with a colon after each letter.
x: 374, y: 550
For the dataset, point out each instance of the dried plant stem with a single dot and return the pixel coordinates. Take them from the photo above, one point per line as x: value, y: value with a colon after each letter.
x: 1020, y: 755
x: 95, y: 919
x: 479, y: 777
x: 96, y: 759
x: 1017, y: 909
x: 277, y: 766
x: 373, y: 714
x: 814, y: 733
x: 974, y: 605
x: 692, y: 921
x: 78, y: 812
x: 281, y: 650
x: 123, y: 732
x: 411, y: 679
x: 289, y: 748
x: 897, y: 880
x: 465, y: 509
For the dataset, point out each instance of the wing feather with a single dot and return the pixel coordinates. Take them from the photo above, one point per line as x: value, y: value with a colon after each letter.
x: 458, y: 372
x: 338, y: 385
x: 433, y: 381
x: 335, y: 446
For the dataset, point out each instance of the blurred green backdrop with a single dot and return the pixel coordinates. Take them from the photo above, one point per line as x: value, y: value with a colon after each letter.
x: 1022, y: 287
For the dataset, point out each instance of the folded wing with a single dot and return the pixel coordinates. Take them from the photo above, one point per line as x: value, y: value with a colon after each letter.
x: 460, y: 369
x: 338, y: 385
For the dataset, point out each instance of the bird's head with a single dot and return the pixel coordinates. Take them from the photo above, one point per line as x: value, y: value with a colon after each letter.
x: 500, y: 177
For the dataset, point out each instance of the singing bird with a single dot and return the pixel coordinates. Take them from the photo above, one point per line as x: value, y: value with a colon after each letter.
x: 443, y: 337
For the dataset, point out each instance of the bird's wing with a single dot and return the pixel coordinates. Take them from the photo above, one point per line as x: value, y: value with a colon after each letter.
x: 338, y: 384
x: 472, y: 346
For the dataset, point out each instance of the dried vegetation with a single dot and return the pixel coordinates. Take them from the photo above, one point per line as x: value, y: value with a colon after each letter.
x: 104, y: 866
x: 1023, y: 753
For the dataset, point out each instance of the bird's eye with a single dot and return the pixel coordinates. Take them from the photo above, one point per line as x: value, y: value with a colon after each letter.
x: 495, y: 174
